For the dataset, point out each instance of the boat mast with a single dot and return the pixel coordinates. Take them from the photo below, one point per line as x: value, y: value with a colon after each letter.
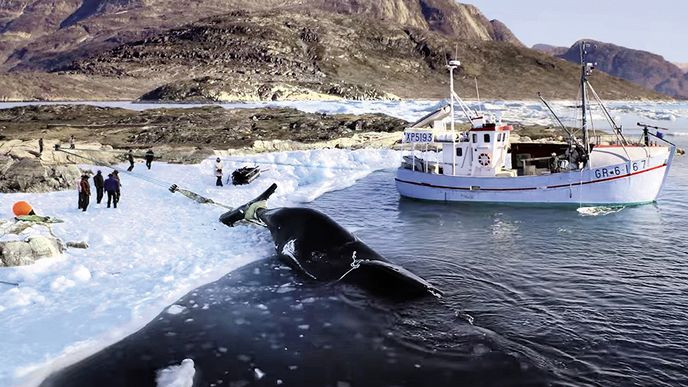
x: 583, y: 81
x: 452, y: 65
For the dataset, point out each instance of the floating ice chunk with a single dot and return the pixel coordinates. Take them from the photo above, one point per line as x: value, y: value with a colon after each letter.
x: 258, y: 373
x: 244, y: 358
x: 286, y: 288
x: 177, y: 375
x: 175, y: 309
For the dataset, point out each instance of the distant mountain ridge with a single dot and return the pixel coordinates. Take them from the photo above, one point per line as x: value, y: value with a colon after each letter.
x: 643, y: 68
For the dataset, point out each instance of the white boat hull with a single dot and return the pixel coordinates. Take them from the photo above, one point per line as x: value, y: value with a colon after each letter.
x: 632, y: 182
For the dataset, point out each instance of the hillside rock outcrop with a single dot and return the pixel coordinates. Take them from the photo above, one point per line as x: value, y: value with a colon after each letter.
x: 46, y: 34
x: 26, y: 252
x: 23, y: 169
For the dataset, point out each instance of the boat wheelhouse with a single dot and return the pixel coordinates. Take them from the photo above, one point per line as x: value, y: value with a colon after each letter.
x: 482, y: 164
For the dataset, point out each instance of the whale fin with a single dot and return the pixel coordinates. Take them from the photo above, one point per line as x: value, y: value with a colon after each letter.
x: 395, y: 280
x: 248, y: 210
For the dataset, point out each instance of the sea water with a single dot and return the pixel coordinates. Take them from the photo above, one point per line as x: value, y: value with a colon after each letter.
x: 596, y: 297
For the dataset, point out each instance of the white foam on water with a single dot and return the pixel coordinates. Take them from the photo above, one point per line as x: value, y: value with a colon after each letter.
x: 599, y: 211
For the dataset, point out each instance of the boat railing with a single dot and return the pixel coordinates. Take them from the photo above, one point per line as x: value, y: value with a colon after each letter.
x: 421, y: 165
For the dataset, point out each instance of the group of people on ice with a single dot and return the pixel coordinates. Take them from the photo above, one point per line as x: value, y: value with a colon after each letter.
x: 111, y: 186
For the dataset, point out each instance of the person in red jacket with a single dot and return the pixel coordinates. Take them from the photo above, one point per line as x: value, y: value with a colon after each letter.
x: 84, y: 193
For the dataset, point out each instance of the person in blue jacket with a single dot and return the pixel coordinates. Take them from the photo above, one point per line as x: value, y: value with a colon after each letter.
x: 111, y: 186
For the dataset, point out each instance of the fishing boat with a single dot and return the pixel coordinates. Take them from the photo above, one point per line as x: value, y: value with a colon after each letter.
x: 481, y: 164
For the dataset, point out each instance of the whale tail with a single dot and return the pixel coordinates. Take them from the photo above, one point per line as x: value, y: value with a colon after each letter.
x: 249, y: 210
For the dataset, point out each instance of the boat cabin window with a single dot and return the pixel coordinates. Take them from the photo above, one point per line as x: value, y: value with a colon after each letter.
x: 499, y: 137
x: 486, y: 138
x: 475, y: 138
x: 459, y: 152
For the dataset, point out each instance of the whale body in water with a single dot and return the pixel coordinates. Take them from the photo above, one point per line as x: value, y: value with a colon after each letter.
x: 323, y: 250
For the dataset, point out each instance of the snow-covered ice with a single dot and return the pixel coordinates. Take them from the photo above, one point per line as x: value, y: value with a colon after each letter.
x: 146, y: 254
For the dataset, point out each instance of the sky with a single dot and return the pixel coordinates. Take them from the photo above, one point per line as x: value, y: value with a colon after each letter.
x: 658, y: 26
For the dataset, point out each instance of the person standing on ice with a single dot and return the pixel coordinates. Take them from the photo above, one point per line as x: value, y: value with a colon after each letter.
x: 71, y: 142
x: 78, y: 189
x: 85, y: 193
x: 130, y: 157
x: 111, y: 187
x: 98, y: 183
x: 40, y: 145
x: 218, y: 172
x: 115, y: 175
x: 149, y: 158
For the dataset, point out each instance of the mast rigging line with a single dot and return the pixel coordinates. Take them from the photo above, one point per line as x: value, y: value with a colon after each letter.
x: 248, y: 161
x: 556, y: 117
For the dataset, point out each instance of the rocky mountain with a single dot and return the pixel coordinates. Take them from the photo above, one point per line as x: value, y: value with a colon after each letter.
x: 44, y: 34
x: 549, y: 49
x: 649, y: 70
x: 272, y: 49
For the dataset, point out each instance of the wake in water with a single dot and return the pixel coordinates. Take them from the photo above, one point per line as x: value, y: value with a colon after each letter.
x: 599, y: 210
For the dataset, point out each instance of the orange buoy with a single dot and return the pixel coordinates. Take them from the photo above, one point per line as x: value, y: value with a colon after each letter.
x: 22, y: 208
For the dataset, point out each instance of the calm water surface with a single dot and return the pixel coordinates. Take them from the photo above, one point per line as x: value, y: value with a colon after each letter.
x: 598, y: 300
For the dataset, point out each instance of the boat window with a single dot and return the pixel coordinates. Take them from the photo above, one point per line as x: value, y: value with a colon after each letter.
x: 487, y: 137
x: 475, y: 138
x: 499, y: 137
x: 459, y: 152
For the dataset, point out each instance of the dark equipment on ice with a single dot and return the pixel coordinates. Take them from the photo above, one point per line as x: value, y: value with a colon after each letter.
x: 245, y: 175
